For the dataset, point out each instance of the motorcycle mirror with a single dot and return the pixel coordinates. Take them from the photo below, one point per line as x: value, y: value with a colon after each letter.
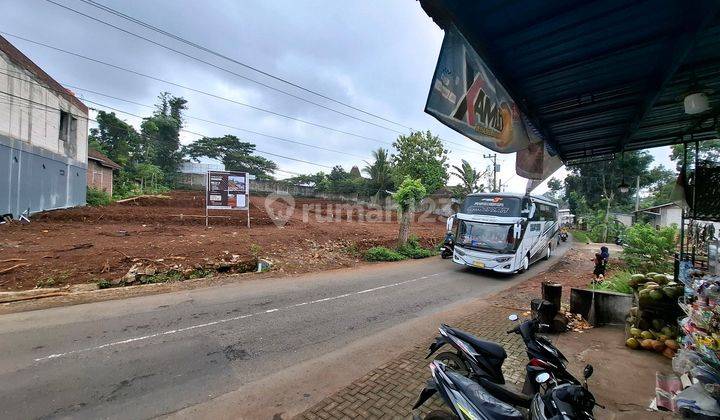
x: 513, y: 317
x: 543, y: 377
x: 588, y: 371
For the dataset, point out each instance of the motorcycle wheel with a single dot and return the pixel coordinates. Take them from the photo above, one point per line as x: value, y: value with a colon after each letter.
x: 454, y: 362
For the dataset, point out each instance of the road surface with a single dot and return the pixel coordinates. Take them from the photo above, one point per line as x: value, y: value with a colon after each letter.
x: 260, y: 340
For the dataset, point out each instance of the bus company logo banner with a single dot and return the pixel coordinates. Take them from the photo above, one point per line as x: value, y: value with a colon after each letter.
x: 467, y: 97
x: 227, y: 190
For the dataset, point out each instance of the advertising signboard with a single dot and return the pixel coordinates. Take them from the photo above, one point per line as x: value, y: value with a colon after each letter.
x: 227, y: 190
x: 468, y: 98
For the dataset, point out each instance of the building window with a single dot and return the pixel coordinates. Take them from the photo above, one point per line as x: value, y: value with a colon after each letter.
x: 64, y: 125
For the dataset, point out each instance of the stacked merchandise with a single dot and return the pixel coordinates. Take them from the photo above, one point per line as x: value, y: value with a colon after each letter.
x: 698, y: 360
x: 652, y: 321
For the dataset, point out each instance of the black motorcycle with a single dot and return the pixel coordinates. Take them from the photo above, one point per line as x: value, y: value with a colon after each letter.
x: 448, y: 246
x: 482, y: 360
x: 563, y: 236
x: 469, y: 399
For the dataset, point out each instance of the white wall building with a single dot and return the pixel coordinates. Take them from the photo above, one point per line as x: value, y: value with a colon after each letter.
x: 663, y: 215
x: 43, y: 138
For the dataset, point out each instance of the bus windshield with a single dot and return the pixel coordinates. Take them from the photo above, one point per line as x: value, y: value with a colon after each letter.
x: 488, y: 237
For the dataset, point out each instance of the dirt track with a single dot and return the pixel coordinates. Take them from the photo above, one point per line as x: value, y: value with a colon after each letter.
x: 84, y: 245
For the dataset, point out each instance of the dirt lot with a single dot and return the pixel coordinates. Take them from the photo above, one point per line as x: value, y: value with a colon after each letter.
x: 85, y: 245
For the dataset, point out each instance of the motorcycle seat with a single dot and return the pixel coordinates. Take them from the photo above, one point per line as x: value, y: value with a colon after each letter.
x: 483, y: 400
x: 486, y: 348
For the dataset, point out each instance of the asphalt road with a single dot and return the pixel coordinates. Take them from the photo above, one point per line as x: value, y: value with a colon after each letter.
x: 154, y: 355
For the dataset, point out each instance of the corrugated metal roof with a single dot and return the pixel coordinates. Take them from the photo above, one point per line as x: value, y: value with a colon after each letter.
x: 598, y: 77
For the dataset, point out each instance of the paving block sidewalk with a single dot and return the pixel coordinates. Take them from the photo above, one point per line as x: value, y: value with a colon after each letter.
x: 391, y: 390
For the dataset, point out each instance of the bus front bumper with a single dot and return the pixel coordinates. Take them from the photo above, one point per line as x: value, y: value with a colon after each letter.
x: 495, y: 262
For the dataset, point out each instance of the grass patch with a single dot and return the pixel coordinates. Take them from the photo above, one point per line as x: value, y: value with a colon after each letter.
x: 45, y: 282
x: 104, y: 284
x: 617, y: 282
x: 380, y: 253
x: 96, y: 197
x: 580, y: 236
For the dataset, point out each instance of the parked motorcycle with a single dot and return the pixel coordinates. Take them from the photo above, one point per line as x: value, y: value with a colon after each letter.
x: 469, y: 399
x: 564, y: 236
x: 482, y: 360
x: 448, y: 246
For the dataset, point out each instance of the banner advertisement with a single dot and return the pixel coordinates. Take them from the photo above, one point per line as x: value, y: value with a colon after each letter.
x: 536, y: 162
x: 227, y: 190
x: 467, y: 97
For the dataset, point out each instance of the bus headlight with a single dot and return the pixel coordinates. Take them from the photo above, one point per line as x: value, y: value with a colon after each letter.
x: 503, y: 259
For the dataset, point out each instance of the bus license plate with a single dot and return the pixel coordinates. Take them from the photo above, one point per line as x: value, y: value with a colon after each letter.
x: 479, y: 264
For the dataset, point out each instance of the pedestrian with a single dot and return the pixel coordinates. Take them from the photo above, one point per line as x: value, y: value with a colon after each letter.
x: 605, y: 253
x: 599, y: 271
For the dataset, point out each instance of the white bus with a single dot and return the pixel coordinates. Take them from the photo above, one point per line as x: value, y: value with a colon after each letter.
x: 505, y: 232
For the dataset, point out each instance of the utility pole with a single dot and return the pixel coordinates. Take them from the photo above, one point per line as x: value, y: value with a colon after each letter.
x: 637, y: 195
x: 495, y: 169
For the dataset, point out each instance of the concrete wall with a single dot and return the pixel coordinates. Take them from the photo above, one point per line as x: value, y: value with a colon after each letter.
x: 99, y: 177
x: 38, y: 170
x: 670, y: 215
x: 34, y: 179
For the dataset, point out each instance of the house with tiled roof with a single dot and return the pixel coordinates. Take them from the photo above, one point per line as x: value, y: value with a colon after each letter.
x: 100, y: 171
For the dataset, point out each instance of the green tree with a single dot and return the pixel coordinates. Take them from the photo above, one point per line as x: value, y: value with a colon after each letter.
x: 235, y: 154
x: 115, y: 138
x: 469, y: 178
x: 421, y: 156
x: 598, y: 182
x: 661, y: 188
x: 312, y: 180
x: 649, y: 249
x: 708, y: 150
x: 161, y: 134
x: 380, y: 173
x: 408, y: 195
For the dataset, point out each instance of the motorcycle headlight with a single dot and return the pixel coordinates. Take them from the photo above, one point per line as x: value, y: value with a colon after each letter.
x: 503, y: 259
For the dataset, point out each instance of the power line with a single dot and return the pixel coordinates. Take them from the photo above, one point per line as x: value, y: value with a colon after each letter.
x: 195, y: 45
x: 38, y: 105
x: 193, y: 89
x: 141, y: 117
x: 200, y: 60
x: 190, y: 116
x: 240, y: 63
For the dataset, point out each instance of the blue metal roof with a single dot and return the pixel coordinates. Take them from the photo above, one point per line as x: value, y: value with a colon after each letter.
x: 598, y: 77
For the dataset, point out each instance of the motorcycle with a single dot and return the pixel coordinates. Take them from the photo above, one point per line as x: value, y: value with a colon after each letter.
x: 448, y: 246
x: 469, y: 399
x: 563, y: 236
x: 482, y: 360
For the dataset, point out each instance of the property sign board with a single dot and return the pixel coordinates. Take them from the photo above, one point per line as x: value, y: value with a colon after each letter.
x: 227, y: 190
x: 468, y: 98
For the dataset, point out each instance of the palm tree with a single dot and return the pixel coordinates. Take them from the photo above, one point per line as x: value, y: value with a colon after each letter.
x: 468, y: 176
x: 380, y: 172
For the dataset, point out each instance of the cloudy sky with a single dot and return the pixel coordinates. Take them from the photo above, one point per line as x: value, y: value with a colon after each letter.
x: 377, y: 56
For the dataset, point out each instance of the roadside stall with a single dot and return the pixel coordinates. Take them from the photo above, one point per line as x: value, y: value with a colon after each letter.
x: 578, y: 83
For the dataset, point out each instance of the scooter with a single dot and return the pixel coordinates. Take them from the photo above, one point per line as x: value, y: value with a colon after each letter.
x: 482, y: 360
x: 448, y: 246
x: 468, y: 399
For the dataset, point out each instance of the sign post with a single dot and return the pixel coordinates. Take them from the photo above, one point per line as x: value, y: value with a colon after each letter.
x: 227, y: 190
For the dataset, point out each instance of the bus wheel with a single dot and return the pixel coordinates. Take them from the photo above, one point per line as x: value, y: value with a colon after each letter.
x: 525, y: 264
x: 548, y: 252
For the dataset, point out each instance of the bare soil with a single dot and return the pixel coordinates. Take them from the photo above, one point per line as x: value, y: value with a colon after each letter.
x: 85, y: 245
